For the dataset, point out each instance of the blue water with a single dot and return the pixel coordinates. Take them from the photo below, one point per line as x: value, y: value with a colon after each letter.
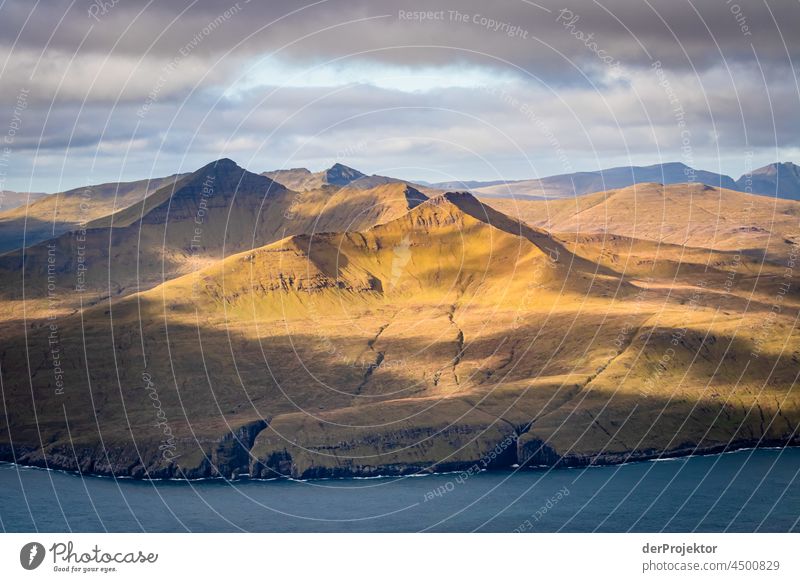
x: 744, y: 491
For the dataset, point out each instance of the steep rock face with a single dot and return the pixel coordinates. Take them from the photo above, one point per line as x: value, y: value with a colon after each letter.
x: 231, y: 457
x: 534, y: 453
x: 226, y: 456
x: 341, y: 445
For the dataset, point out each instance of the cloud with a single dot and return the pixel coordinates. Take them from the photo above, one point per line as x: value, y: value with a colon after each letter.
x: 515, y: 86
x: 690, y: 35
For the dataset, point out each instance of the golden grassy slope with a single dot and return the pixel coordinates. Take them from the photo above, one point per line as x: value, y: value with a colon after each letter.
x: 424, y: 342
x: 217, y: 211
x: 694, y: 215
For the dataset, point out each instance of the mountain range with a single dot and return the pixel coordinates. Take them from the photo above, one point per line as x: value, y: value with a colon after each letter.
x: 781, y: 180
x: 49, y: 215
x: 228, y: 324
x: 778, y: 180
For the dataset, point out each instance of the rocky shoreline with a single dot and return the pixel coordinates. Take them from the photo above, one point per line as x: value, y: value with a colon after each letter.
x: 27, y: 457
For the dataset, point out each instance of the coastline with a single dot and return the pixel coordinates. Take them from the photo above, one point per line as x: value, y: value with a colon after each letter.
x: 566, y: 462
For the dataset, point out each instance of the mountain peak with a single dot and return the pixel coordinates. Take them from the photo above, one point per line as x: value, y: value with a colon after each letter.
x: 463, y: 204
x: 223, y: 168
x: 221, y: 173
x: 341, y: 175
x: 460, y: 197
x: 225, y: 164
x: 781, y: 179
x: 222, y: 179
x: 777, y: 167
x: 302, y: 179
x: 338, y: 167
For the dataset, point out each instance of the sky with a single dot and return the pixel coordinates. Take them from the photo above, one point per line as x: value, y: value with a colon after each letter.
x: 108, y: 90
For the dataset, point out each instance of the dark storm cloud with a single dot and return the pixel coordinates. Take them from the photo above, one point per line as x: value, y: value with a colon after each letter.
x: 679, y: 33
x: 608, y: 78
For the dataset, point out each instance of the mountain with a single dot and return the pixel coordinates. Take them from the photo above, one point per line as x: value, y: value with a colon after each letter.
x: 55, y: 214
x: 391, y: 273
x: 450, y: 336
x: 465, y: 185
x: 218, y: 210
x: 340, y: 175
x: 780, y: 180
x: 689, y: 215
x: 296, y: 178
x: 301, y: 179
x: 579, y: 183
x: 10, y: 199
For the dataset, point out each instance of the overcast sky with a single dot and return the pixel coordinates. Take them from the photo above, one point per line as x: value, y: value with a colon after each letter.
x: 97, y: 91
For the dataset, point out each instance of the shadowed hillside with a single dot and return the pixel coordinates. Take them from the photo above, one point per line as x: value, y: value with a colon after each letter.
x: 446, y: 335
x: 55, y: 214
x: 217, y: 211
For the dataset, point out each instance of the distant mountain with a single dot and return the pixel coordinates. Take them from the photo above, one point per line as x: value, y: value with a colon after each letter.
x: 297, y: 179
x: 689, y: 215
x: 341, y: 175
x: 302, y: 179
x: 465, y: 185
x: 366, y: 182
x: 56, y: 214
x: 579, y: 183
x: 781, y: 180
x: 10, y: 199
